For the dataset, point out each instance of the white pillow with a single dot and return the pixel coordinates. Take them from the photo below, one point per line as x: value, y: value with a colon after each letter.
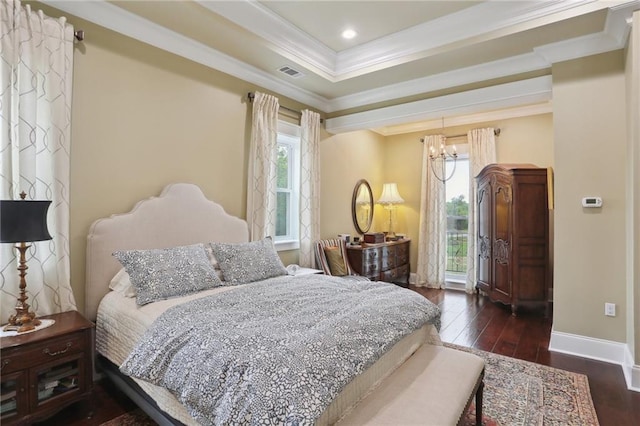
x: 122, y: 284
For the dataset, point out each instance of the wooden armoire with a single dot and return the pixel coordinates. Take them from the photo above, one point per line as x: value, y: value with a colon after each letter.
x: 513, y: 235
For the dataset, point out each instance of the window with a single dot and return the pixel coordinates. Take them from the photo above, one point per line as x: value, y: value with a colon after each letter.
x: 457, y: 196
x: 287, y: 187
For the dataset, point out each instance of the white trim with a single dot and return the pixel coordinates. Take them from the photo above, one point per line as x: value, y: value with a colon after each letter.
x: 286, y: 245
x: 487, y: 71
x: 632, y: 376
x: 478, y: 23
x: 119, y: 20
x: 503, y: 17
x: 290, y: 41
x: 481, y: 117
x: 598, y: 349
x: 507, y: 95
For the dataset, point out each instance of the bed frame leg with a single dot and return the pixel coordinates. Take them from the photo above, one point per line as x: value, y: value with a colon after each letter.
x: 479, y: 404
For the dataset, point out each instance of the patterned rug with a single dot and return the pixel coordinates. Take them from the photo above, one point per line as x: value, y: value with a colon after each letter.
x: 515, y: 393
x: 524, y: 393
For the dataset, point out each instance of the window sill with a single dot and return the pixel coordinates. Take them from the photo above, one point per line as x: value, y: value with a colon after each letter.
x: 286, y: 245
x: 455, y: 281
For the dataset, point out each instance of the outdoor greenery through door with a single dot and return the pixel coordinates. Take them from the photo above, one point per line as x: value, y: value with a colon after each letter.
x: 457, y: 194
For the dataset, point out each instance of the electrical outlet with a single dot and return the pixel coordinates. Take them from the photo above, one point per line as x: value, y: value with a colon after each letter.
x: 610, y: 309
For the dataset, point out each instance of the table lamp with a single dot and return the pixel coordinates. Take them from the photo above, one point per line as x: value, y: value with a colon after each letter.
x: 389, y: 199
x: 22, y: 222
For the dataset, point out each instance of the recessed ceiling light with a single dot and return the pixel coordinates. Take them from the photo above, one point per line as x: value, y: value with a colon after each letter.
x: 349, y: 34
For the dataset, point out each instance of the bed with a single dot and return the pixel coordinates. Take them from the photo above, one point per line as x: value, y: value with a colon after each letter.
x: 183, y: 217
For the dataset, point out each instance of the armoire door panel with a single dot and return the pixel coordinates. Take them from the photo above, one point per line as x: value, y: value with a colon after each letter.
x: 484, y: 241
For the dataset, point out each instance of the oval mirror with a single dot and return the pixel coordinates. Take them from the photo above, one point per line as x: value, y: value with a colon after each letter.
x: 362, y: 206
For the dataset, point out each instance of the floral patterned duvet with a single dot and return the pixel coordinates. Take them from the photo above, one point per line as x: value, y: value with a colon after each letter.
x: 276, y: 351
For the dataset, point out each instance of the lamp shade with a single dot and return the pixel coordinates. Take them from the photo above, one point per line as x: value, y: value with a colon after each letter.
x: 390, y: 195
x: 363, y: 196
x: 23, y: 221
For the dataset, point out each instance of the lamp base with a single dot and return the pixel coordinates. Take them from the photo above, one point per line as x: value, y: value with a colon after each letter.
x: 22, y: 320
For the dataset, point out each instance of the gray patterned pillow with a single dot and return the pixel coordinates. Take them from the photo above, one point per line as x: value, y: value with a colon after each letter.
x: 162, y: 273
x: 247, y: 262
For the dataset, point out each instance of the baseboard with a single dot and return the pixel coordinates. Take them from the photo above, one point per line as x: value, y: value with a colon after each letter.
x: 600, y: 350
x: 631, y: 373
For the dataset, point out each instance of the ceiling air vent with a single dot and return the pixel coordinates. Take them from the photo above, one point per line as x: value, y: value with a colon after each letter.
x: 290, y: 72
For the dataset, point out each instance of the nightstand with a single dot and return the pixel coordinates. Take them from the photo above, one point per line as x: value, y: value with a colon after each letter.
x: 46, y: 370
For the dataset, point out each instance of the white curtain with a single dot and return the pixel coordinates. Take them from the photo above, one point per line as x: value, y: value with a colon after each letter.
x: 309, y: 186
x: 263, y: 160
x: 482, y: 151
x: 35, y: 131
x: 432, y: 237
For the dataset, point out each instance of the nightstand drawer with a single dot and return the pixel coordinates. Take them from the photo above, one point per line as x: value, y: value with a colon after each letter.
x: 19, y: 358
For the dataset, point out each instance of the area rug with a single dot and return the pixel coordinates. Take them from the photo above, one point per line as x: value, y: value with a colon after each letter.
x: 515, y: 393
x: 519, y: 392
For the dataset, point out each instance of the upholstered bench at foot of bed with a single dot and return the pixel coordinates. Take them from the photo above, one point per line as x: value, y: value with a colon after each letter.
x: 435, y: 386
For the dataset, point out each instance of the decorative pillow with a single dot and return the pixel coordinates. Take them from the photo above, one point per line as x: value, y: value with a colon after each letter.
x: 248, y: 262
x: 162, y: 273
x: 122, y: 284
x: 336, y: 262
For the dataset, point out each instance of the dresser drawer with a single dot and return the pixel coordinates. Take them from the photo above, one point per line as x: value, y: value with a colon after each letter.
x: 19, y: 358
x: 388, y: 258
x: 397, y: 274
x: 370, y: 256
x: 370, y: 270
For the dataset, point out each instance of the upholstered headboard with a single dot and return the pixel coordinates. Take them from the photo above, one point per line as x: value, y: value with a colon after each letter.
x: 181, y: 215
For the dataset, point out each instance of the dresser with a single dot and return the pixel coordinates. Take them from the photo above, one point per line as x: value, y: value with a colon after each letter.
x: 382, y: 262
x: 513, y: 265
x: 46, y: 370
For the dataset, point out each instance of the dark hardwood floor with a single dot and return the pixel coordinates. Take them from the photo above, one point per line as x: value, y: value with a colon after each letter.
x: 467, y: 320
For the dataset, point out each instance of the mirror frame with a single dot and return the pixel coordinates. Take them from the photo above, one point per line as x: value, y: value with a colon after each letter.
x: 354, y: 206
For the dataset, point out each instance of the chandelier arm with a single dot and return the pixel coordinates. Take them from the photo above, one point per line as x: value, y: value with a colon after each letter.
x: 442, y: 158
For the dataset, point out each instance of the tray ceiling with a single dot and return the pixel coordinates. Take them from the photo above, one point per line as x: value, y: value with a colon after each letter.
x: 405, y: 51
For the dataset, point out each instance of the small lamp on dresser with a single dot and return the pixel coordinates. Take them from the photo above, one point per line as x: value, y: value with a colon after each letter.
x: 390, y: 198
x: 22, y: 222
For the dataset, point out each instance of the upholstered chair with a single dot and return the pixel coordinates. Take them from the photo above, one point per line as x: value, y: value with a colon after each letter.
x: 331, y: 257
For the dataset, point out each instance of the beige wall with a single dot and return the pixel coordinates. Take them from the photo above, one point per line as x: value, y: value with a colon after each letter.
x: 590, y: 160
x: 522, y: 140
x: 144, y: 118
x: 345, y: 159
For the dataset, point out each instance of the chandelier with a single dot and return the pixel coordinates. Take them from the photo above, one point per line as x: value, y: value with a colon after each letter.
x: 439, y: 162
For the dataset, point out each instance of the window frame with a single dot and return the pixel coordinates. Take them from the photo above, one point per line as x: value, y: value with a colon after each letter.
x: 290, y: 134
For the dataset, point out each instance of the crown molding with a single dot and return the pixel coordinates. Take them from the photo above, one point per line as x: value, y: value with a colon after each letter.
x: 483, y: 72
x: 102, y: 13
x: 464, y: 120
x: 477, y: 23
x: 613, y: 37
x: 289, y: 40
x: 531, y: 91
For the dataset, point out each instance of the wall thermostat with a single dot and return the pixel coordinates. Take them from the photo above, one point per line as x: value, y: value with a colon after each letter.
x: 592, y: 202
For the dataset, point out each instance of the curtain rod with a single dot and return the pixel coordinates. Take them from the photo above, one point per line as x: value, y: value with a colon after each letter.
x: 496, y: 132
x: 79, y: 35
x: 252, y: 95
